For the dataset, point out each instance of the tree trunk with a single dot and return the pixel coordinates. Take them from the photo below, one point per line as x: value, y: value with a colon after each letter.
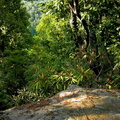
x: 74, y: 16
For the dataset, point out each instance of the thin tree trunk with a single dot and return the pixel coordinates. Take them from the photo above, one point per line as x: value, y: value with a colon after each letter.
x: 75, y: 10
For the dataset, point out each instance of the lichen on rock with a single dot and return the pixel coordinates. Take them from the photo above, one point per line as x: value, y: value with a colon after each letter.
x: 74, y: 103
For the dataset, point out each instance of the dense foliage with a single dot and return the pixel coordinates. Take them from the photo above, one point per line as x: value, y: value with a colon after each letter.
x: 76, y: 42
x: 14, y: 44
x: 34, y: 12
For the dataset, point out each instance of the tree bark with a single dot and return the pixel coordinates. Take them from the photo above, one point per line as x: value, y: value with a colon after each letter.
x: 75, y: 10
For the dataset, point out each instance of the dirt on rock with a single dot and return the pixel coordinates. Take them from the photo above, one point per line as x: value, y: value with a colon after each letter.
x: 75, y: 103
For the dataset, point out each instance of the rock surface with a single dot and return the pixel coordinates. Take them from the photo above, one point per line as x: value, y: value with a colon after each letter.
x: 75, y: 103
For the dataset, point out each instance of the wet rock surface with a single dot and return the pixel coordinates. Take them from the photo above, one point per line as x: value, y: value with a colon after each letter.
x: 75, y: 103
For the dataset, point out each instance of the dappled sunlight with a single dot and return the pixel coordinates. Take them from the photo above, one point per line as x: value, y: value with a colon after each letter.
x: 48, y: 48
x: 75, y: 103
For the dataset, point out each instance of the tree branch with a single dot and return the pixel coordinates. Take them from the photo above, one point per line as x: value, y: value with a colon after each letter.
x: 73, y: 5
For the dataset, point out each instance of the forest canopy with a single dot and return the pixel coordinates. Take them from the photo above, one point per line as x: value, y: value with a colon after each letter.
x: 47, y: 45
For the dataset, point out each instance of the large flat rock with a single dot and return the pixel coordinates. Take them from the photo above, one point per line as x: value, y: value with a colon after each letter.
x: 75, y: 103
